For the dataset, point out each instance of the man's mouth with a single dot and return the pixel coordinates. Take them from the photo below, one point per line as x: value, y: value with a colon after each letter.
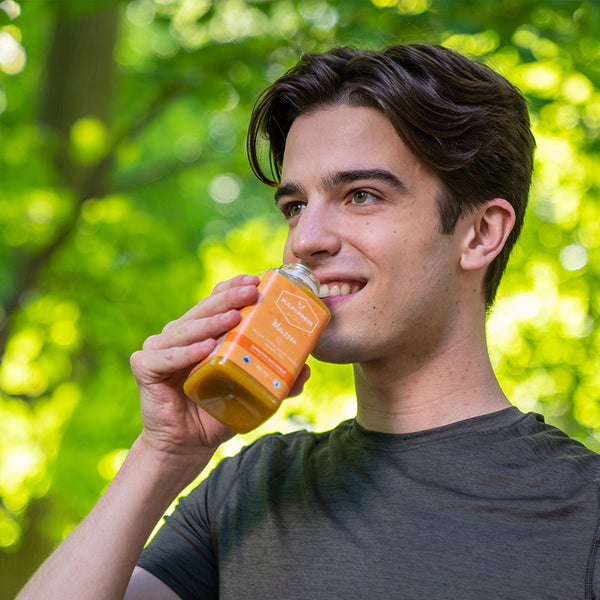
x: 331, y: 289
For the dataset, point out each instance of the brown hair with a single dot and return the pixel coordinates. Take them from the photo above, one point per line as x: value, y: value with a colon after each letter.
x: 463, y: 120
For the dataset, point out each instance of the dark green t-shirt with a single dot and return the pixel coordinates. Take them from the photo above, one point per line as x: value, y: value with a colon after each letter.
x: 501, y: 506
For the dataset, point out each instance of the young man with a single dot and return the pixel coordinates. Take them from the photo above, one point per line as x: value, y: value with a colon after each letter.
x: 404, y: 176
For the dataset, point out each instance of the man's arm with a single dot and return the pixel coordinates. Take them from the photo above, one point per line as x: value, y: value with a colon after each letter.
x: 145, y: 586
x: 97, y: 560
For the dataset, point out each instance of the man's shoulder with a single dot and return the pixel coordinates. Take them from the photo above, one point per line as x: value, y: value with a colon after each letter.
x: 277, y: 451
x: 552, y: 445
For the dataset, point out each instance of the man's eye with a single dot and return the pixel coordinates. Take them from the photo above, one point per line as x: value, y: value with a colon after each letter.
x: 292, y: 209
x: 361, y: 196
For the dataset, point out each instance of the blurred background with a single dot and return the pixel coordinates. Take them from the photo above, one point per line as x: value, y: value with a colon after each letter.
x: 126, y: 195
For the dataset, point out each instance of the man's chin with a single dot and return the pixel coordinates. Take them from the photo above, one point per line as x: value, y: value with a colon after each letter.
x: 334, y: 352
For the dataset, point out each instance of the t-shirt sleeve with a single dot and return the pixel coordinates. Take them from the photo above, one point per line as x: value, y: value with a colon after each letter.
x: 181, y: 552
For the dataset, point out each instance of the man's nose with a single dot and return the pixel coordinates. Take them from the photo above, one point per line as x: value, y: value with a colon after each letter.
x: 316, y: 233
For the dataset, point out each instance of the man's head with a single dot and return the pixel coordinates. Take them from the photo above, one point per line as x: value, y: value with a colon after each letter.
x: 465, y: 122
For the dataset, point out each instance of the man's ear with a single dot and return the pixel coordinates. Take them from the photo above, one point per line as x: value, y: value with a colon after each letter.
x: 489, y: 228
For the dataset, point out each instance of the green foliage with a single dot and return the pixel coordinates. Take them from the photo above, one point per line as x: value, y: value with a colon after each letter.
x: 126, y: 196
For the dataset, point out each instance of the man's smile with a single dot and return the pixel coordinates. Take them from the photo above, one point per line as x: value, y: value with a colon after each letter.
x: 339, y: 288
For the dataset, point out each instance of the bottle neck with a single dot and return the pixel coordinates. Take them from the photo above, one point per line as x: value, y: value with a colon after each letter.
x: 302, y: 275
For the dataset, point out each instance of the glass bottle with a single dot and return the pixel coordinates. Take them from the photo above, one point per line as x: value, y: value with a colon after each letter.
x: 254, y: 365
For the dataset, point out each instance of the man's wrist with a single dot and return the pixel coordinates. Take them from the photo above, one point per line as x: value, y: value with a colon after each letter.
x: 172, y: 466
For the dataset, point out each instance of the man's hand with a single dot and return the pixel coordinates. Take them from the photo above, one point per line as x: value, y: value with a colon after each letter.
x: 173, y: 424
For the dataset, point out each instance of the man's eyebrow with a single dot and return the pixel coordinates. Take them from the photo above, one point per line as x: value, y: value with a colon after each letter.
x: 287, y: 189
x: 381, y: 175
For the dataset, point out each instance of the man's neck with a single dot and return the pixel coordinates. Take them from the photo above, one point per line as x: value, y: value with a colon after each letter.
x: 402, y: 395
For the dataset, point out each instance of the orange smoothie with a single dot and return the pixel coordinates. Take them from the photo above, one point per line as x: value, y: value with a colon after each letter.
x: 252, y: 369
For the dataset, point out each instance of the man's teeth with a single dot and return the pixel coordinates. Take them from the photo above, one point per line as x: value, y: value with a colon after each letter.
x: 335, y: 289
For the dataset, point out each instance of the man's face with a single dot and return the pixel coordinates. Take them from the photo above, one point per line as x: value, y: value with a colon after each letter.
x: 362, y: 214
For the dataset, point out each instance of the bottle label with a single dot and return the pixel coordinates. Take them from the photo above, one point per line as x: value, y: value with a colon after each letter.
x: 275, y: 335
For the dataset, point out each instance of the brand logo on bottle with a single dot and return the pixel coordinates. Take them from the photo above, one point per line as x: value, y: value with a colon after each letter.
x: 297, y: 312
